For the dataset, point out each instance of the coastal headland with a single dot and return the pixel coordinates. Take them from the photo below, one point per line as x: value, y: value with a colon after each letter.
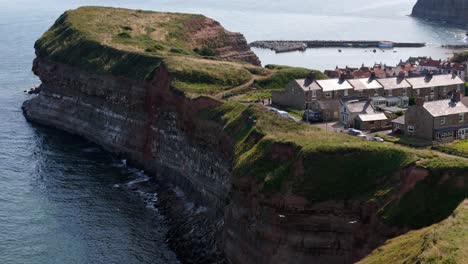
x: 166, y: 91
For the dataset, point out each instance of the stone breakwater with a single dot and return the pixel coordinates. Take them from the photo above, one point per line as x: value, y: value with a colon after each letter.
x: 301, y: 45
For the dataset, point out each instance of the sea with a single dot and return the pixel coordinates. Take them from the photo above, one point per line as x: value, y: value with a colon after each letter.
x: 65, y: 200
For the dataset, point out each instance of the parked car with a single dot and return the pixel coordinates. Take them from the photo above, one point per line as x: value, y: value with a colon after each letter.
x: 377, y: 139
x: 283, y: 114
x: 355, y: 132
x: 312, y: 116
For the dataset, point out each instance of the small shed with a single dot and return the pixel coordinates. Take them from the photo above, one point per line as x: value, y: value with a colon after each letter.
x: 373, y: 122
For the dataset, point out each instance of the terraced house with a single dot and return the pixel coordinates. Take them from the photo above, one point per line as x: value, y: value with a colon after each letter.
x: 383, y: 93
x: 438, y: 120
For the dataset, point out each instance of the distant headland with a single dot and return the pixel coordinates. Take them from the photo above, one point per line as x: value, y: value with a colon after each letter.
x: 455, y: 11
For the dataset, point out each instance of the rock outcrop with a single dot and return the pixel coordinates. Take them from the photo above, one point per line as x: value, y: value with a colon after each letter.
x: 454, y: 11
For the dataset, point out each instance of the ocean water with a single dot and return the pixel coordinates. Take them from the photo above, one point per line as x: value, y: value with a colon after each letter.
x: 64, y: 200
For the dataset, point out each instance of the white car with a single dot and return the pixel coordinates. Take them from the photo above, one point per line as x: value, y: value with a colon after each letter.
x: 377, y: 139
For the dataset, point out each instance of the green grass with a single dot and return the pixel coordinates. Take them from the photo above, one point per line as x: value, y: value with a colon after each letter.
x: 458, y: 148
x: 283, y: 75
x: 443, y: 243
x: 134, y: 43
x: 251, y: 96
x: 335, y: 166
x: 201, y: 76
x: 405, y: 140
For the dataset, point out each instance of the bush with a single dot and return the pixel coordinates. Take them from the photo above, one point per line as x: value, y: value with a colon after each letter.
x: 205, y: 51
x: 127, y: 28
x: 177, y: 50
x: 124, y: 35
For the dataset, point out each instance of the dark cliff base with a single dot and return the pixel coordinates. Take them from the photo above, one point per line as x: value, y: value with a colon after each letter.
x: 156, y: 131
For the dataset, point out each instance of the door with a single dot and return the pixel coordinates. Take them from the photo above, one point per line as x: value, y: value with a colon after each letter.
x: 462, y: 133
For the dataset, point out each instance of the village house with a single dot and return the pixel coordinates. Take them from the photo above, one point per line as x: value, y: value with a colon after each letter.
x: 395, y: 93
x: 367, y: 87
x: 297, y: 93
x: 329, y: 109
x: 435, y: 87
x: 398, y: 125
x: 359, y: 113
x: 437, y: 120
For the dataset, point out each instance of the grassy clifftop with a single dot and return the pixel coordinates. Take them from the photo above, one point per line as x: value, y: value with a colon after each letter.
x: 335, y: 166
x: 134, y: 43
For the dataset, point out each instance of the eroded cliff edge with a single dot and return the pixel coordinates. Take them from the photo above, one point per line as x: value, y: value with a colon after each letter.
x: 454, y: 11
x: 274, y: 191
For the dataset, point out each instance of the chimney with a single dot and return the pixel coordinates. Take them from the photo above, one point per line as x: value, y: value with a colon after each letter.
x: 419, y: 101
x: 342, y: 77
x: 401, y: 75
x: 456, y: 97
x: 372, y: 76
x: 309, y: 79
x: 429, y: 76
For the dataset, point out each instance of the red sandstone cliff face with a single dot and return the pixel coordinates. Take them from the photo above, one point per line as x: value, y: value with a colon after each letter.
x: 261, y: 227
x: 206, y: 32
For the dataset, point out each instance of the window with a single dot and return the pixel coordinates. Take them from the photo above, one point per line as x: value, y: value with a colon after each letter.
x: 444, y: 135
x: 418, y: 91
x: 360, y: 93
x: 411, y: 129
x: 390, y: 93
x: 314, y: 93
x: 292, y: 90
x: 426, y: 98
x: 432, y: 90
x: 403, y: 92
x: 328, y: 95
x: 445, y: 90
x: 442, y: 121
x: 461, y: 118
x: 345, y: 92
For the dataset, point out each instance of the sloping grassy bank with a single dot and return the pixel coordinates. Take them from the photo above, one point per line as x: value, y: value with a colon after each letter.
x: 444, y: 242
x: 339, y: 167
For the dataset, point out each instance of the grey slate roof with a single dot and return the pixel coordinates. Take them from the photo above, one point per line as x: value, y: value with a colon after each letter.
x: 445, y: 108
x: 365, y: 84
x: 394, y: 83
x: 373, y: 117
x: 334, y: 85
x: 435, y: 81
x: 313, y: 85
x: 400, y: 120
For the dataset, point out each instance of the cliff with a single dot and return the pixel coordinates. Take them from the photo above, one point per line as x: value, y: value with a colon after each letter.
x: 455, y: 11
x: 264, y: 189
